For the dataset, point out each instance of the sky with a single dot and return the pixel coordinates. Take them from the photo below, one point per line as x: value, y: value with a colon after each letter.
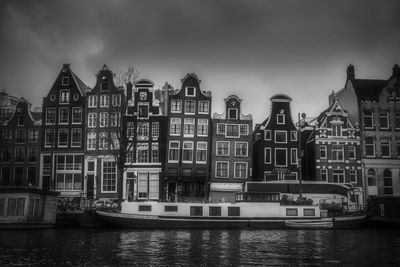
x: 253, y: 49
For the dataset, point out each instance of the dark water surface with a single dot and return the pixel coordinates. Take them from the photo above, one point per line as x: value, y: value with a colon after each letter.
x: 91, y: 247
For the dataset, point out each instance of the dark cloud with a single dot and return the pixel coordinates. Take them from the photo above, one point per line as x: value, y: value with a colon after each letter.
x: 251, y: 48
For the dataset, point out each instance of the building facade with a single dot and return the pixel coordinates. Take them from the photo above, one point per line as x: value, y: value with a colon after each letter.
x: 63, y: 132
x: 146, y: 131
x: 232, y: 153
x: 104, y: 107
x: 7, y: 105
x: 376, y: 106
x: 275, y: 144
x: 189, y: 141
x: 20, y: 147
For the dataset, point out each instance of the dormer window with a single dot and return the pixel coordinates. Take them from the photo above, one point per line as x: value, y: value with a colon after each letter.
x: 65, y: 81
x: 64, y: 96
x: 190, y: 91
x: 232, y: 113
x: 21, y: 120
x: 280, y: 118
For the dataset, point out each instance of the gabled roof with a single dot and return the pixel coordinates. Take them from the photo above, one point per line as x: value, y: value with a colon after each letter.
x: 81, y: 85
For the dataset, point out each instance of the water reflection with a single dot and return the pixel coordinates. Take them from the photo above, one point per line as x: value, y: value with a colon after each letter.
x: 199, y: 247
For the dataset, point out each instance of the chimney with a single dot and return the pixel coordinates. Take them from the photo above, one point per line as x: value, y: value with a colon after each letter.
x: 129, y: 91
x: 350, y: 72
x: 396, y: 70
x: 164, y: 98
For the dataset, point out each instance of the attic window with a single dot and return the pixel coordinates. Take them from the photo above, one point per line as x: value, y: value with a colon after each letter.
x: 280, y: 118
x: 232, y: 113
x: 65, y: 81
x: 190, y: 91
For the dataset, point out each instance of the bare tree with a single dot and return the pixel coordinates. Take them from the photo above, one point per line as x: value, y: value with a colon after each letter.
x: 122, y: 77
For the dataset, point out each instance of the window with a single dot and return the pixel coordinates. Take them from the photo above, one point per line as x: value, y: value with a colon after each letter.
x: 7, y: 135
x: 222, y: 148
x: 387, y: 182
x: 92, y: 101
x: 187, y: 153
x: 91, y: 141
x: 20, y: 136
x: 6, y: 176
x: 397, y: 120
x: 368, y: 119
x: 196, y: 211
x: 336, y: 129
x: 280, y: 118
x: 92, y: 120
x: 385, y: 147
x: 65, y: 81
x: 76, y: 137
x: 268, y: 135
x: 222, y: 169
x: 353, y: 176
x: 155, y: 130
x: 309, y: 212
x: 19, y: 154
x: 233, y: 211
x: 104, y: 86
x: 240, y: 170
x: 190, y: 107
x: 232, y: 113
x: 221, y: 128
x: 188, y: 127
x: 324, y: 175
x: 144, y: 208
x: 371, y: 177
x: 232, y: 130
x: 176, y: 106
x: 109, y: 181
x: 202, y: 127
x: 63, y: 118
x: 154, y: 186
x: 155, y: 153
x: 190, y: 91
x: 33, y: 135
x: 104, y: 100
x: 103, y: 141
x: 33, y: 154
x: 104, y: 119
x: 291, y: 212
x: 170, y: 208
x: 175, y: 128
x: 50, y: 115
x: 21, y: 119
x: 116, y: 100
x: 62, y: 137
x: 143, y: 131
x: 322, y: 152
x: 115, y: 119
x: 68, y: 172
x: 142, y: 152
x: 293, y: 156
x: 384, y: 120
x: 398, y: 148
x: 204, y: 107
x: 142, y: 185
x: 48, y: 137
x: 369, y: 146
x: 76, y: 115
x: 281, y: 137
x: 337, y: 153
x: 130, y: 131
x: 143, y: 111
x: 352, y: 152
x: 241, y: 149
x: 338, y: 176
x: 64, y: 96
x: 293, y: 135
x: 280, y: 157
x: 214, y: 211
x: 173, y: 155
x: 201, y: 152
x: 244, y: 129
x: 130, y: 155
x: 267, y: 155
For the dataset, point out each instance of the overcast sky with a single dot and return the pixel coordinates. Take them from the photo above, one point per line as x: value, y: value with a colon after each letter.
x: 253, y: 49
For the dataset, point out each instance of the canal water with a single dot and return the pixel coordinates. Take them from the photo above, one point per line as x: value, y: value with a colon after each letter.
x: 94, y: 247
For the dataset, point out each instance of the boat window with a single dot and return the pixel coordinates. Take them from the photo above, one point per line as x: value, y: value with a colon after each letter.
x: 309, y: 212
x: 233, y: 211
x: 291, y: 212
x: 215, y: 211
x: 171, y: 208
x: 196, y: 211
x: 144, y: 207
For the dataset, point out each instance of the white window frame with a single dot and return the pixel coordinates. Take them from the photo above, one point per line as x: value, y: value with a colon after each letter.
x: 91, y: 145
x: 194, y: 91
x: 179, y: 128
x: 372, y: 120
x: 293, y: 136
x: 280, y: 116
x: 104, y: 101
x: 92, y: 101
x: 352, y: 149
x: 178, y: 148
x: 216, y: 148
x: 247, y: 149
x: 197, y: 149
x: 72, y: 117
x: 53, y: 111
x: 265, y: 155
x: 104, y: 117
x: 286, y: 158
x: 102, y: 177
x: 325, y: 150
x: 116, y: 100
x: 183, y: 151
x: 387, y: 120
x: 340, y: 149
x: 229, y: 113
x: 216, y: 169
x: 291, y: 156
x: 355, y: 175
x: 278, y: 131
x: 180, y: 105
x: 72, y: 137
x: 192, y: 123
x: 92, y: 120
x: 59, y: 116
x: 194, y: 109
x: 67, y: 94
x: 223, y: 126
x: 198, y: 126
x: 246, y: 129
x: 155, y: 130
x: 232, y: 136
x: 58, y: 139
x: 387, y: 142
x: 234, y: 169
x: 325, y: 173
x: 338, y: 175
x: 205, y: 103
x: 65, y: 80
x: 373, y: 146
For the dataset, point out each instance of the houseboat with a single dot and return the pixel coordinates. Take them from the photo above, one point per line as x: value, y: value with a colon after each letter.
x: 250, y: 210
x: 25, y: 207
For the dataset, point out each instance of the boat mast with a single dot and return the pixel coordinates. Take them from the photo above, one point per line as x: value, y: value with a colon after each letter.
x: 299, y: 155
